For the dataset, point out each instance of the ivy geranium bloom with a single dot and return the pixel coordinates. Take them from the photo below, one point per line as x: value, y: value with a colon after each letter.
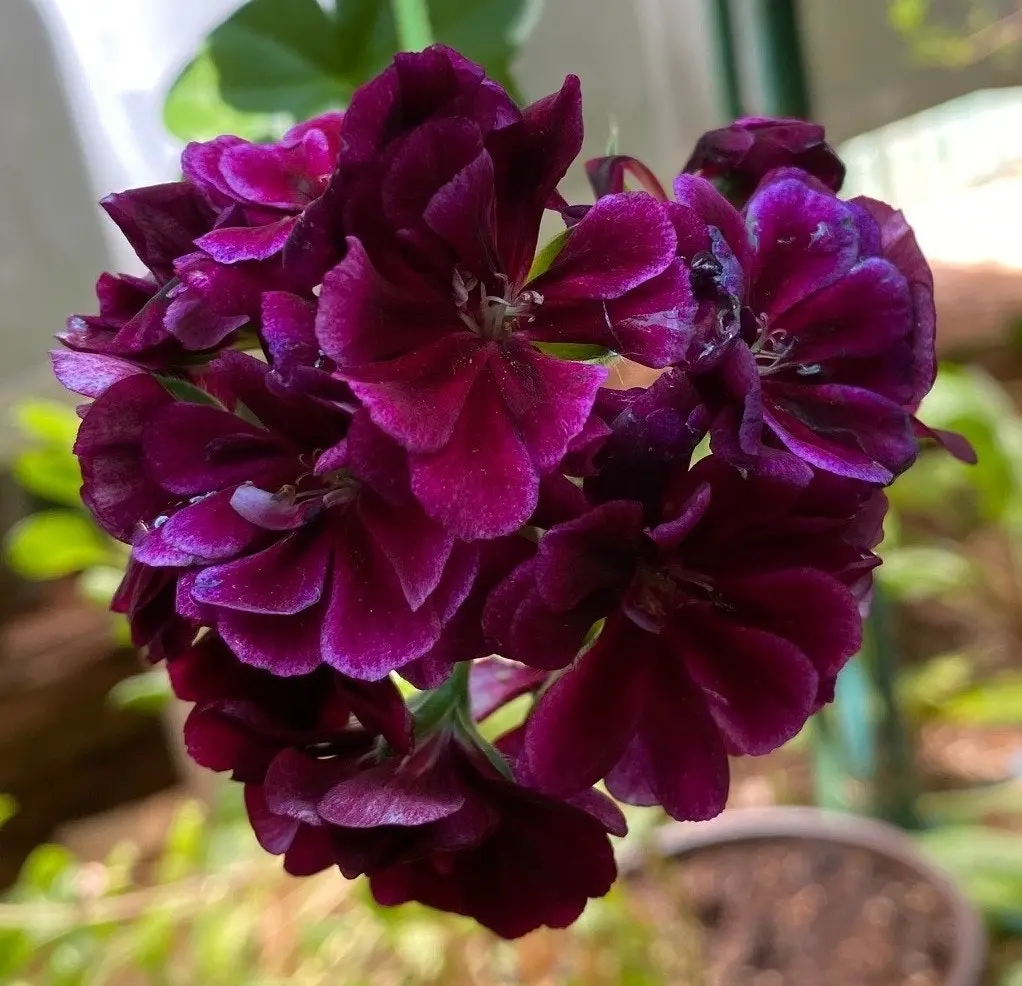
x: 724, y: 625
x: 436, y: 323
x: 261, y: 190
x: 742, y: 154
x: 296, y: 555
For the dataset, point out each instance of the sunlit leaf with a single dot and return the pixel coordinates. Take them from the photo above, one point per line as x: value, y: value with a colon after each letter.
x: 996, y: 702
x: 51, y: 473
x: 914, y: 572
x: 54, y: 543
x: 47, y: 422
x: 146, y: 693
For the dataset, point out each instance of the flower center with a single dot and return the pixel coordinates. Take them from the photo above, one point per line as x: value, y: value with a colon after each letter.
x: 659, y: 590
x: 772, y: 348
x: 492, y: 316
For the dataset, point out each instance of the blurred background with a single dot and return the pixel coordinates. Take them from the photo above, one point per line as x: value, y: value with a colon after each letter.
x: 119, y: 864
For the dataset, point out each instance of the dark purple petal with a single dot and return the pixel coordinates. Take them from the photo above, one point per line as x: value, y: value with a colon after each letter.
x: 283, y: 579
x: 802, y: 241
x: 607, y: 176
x: 89, y: 374
x: 231, y: 244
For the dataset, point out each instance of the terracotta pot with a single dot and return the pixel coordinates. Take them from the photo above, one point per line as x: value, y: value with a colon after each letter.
x: 751, y: 825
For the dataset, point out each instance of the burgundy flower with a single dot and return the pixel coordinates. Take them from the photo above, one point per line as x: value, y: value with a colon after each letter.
x: 260, y: 190
x: 807, y: 332
x: 295, y: 555
x: 742, y: 154
x: 187, y: 304
x: 433, y: 319
x: 723, y: 623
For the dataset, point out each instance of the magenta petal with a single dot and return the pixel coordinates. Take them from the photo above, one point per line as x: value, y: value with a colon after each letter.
x: 549, y: 399
x: 760, y: 688
x: 845, y: 430
x: 417, y: 398
x: 283, y: 645
x: 584, y: 723
x: 267, y: 510
x: 232, y: 244
x: 383, y: 795
x: 483, y: 483
x: 267, y: 175
x: 363, y: 318
x: 494, y: 682
x: 89, y: 374
x: 687, y: 763
x: 194, y: 448
x: 958, y: 445
x: 369, y: 629
x: 802, y: 241
x: 703, y: 200
x: 210, y: 529
x: 273, y: 832
x: 117, y: 487
x: 607, y: 176
x: 623, y: 241
x: 805, y: 606
x: 417, y: 547
x: 283, y: 579
x: 862, y: 315
x: 200, y: 164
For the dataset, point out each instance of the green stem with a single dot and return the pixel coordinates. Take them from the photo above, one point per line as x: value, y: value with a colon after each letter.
x: 411, y: 18
x: 727, y: 59
x: 779, y: 43
x: 895, y: 783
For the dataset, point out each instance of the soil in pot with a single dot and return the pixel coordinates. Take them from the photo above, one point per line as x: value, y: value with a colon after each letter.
x: 802, y: 912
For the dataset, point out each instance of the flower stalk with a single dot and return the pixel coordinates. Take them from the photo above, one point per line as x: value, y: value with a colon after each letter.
x: 414, y: 30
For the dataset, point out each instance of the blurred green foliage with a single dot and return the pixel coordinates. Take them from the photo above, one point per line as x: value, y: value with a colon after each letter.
x: 274, y: 62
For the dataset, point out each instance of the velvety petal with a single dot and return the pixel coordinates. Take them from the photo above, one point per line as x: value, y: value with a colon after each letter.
x: 210, y: 529
x: 531, y: 158
x: 283, y: 645
x: 283, y: 579
x: 712, y: 209
x: 483, y: 483
x: 195, y: 448
x: 200, y: 164
x: 117, y: 487
x: 363, y: 317
x: 581, y: 557
x: 607, y: 176
x: 418, y: 398
x: 623, y: 241
x: 267, y: 175
x: 383, y: 795
x: 549, y: 399
x: 160, y: 222
x: 844, y: 430
x: 958, y: 445
x: 418, y: 548
x: 268, y: 510
x: 89, y: 374
x: 759, y: 687
x: 231, y: 244
x: 802, y: 242
x: 273, y: 832
x: 495, y: 681
x: 805, y: 606
x: 369, y: 629
x: 585, y: 721
x: 862, y: 315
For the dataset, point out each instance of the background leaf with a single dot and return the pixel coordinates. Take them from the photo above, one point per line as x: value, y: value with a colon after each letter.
x: 274, y: 62
x: 147, y: 693
x: 54, y: 543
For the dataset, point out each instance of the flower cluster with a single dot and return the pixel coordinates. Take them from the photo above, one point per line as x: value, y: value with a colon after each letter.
x: 359, y: 434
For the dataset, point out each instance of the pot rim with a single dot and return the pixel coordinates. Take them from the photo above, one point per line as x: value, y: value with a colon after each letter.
x: 968, y: 960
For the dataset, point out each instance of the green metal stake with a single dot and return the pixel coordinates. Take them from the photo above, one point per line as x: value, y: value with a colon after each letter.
x: 785, y: 86
x: 727, y: 60
x: 411, y: 17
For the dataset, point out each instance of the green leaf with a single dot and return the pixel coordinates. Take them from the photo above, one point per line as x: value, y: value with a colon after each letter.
x: 98, y: 583
x: 277, y: 61
x: 54, y: 543
x: 47, y: 421
x: 996, y: 702
x: 48, y: 872
x: 923, y: 689
x: 51, y: 473
x: 185, y: 845
x: 147, y: 693
x: 924, y: 571
x: 579, y: 352
x: 186, y: 391
x: 8, y: 808
x: 280, y: 56
x: 195, y: 110
x: 960, y: 806
x: 547, y: 255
